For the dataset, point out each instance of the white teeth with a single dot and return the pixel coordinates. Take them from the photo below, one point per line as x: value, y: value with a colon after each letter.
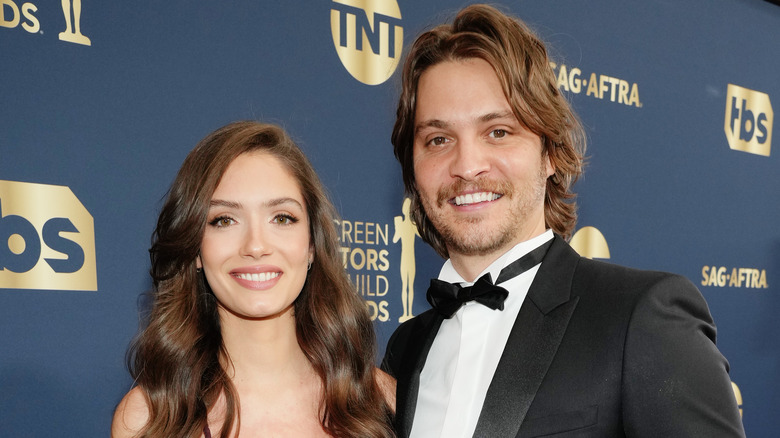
x: 474, y: 198
x: 263, y: 276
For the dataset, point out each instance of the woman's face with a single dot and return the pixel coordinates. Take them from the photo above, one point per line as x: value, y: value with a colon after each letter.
x: 256, y: 249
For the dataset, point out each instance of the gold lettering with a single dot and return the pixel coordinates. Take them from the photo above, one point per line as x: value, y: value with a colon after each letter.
x: 373, y: 310
x: 721, y: 276
x: 381, y: 234
x: 352, y: 256
x: 384, y: 263
x: 27, y: 11
x: 593, y: 86
x: 371, y: 257
x: 369, y: 232
x: 378, y: 311
x: 634, y: 99
x: 743, y: 276
x: 623, y: 95
x: 382, y: 290
x: 344, y: 255
x: 575, y: 83
x: 358, y: 232
x: 346, y: 231
x: 15, y: 14
x: 384, y: 315
x: 734, y: 278
x: 603, y: 86
x: 762, y: 280
x: 753, y: 281
x: 563, y: 78
x: 613, y: 82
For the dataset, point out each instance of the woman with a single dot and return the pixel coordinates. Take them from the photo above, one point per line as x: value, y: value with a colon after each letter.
x: 255, y: 329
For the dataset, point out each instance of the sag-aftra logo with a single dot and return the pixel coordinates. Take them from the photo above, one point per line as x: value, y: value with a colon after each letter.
x: 47, y: 239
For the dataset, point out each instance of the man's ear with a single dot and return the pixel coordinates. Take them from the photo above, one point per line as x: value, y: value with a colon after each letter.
x: 549, y: 166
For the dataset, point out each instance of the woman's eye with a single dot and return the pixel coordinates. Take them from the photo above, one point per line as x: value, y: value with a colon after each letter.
x: 285, y: 219
x: 221, y: 221
x: 498, y: 133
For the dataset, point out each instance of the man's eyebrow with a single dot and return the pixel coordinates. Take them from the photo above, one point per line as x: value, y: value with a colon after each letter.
x: 432, y: 123
x: 441, y: 124
x: 497, y: 115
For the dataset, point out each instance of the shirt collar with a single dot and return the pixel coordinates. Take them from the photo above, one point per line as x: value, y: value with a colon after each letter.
x: 449, y: 274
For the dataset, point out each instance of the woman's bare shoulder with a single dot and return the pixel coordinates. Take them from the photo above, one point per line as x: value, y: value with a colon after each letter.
x: 131, y: 415
x: 386, y: 384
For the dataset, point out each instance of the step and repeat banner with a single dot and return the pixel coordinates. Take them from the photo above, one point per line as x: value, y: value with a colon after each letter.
x: 101, y: 102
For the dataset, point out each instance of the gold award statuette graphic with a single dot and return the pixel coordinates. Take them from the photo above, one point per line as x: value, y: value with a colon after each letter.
x: 405, y: 231
x: 47, y: 239
x: 749, y: 119
x: 72, y: 33
x: 368, y: 37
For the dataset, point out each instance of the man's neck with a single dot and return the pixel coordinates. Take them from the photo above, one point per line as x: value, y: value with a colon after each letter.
x: 469, y: 266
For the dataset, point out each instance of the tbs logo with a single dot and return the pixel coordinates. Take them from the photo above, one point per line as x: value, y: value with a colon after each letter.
x: 47, y: 239
x: 749, y: 118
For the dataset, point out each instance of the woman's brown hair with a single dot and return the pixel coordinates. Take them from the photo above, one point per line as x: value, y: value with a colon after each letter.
x: 521, y: 63
x: 176, y: 357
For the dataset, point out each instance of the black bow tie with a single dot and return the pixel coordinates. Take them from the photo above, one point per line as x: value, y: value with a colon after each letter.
x: 447, y: 298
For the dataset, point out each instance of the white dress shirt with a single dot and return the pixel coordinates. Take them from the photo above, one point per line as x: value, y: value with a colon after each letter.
x: 466, y: 351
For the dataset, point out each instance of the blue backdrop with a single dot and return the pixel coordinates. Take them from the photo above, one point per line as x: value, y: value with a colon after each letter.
x: 101, y: 102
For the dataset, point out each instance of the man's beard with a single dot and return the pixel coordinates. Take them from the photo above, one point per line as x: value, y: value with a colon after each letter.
x: 471, y: 236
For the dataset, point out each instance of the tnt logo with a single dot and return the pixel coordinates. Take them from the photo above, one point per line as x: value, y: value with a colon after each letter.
x: 368, y: 37
x: 749, y: 118
x: 47, y: 239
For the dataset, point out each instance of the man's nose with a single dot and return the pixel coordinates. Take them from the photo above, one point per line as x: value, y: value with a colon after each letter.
x: 470, y: 159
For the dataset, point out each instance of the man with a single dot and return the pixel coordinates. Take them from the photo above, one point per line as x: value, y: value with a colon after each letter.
x: 489, y: 150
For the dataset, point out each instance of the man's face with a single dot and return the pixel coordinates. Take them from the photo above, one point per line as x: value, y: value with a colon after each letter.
x: 480, y: 174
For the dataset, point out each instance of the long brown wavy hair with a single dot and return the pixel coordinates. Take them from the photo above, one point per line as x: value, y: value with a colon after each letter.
x: 176, y: 357
x: 521, y: 63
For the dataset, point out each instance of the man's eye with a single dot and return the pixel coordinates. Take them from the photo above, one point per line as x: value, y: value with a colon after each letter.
x: 437, y: 141
x: 498, y: 133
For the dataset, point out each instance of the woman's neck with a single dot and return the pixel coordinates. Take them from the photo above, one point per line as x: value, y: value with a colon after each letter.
x: 279, y: 392
x: 261, y: 349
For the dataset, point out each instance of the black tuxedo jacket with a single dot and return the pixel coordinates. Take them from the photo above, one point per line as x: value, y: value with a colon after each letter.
x: 597, y: 350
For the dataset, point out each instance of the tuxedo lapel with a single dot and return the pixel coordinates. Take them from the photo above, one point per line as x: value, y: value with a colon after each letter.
x: 418, y: 345
x: 531, y: 345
